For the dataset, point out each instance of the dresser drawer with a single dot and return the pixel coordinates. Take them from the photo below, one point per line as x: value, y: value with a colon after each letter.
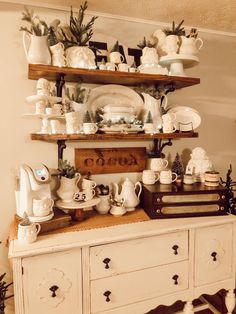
x: 213, y: 254
x: 116, y: 258
x: 108, y: 293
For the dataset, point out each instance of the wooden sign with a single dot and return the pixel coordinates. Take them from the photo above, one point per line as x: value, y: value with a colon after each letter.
x: 110, y: 160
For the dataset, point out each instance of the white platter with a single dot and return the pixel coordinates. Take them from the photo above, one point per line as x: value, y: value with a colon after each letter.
x: 42, y: 218
x: 121, y: 128
x: 187, y: 118
x: 114, y: 95
x: 76, y: 205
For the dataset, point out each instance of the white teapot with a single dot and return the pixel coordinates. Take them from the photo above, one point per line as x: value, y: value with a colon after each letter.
x: 128, y: 193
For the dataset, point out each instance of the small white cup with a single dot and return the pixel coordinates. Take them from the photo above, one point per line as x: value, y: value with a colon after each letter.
x: 188, y: 179
x: 55, y: 126
x: 28, y: 233
x: 57, y: 109
x: 123, y: 67
x: 131, y: 69
x: 49, y: 110
x: 111, y: 66
x: 118, y: 210
x: 149, y: 177
x: 102, y: 66
x: 90, y: 128
x: 89, y: 194
x: 167, y: 177
x: 157, y: 164
x: 149, y: 128
x: 168, y: 127
x: 116, y: 57
x: 42, y: 207
x: 88, y: 184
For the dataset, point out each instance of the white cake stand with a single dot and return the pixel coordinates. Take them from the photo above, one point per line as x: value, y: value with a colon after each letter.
x: 68, y: 207
x: 177, y: 62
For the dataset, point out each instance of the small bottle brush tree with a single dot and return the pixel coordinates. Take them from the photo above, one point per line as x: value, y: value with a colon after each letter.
x: 178, y: 167
x: 87, y: 118
x: 116, y: 47
x: 149, y: 118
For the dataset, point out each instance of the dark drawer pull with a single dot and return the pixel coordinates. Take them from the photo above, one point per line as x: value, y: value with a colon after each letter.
x: 106, y: 261
x: 53, y: 289
x: 175, y: 278
x: 107, y: 295
x: 175, y: 248
x: 213, y: 254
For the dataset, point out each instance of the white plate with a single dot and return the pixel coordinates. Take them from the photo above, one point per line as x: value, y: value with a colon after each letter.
x: 76, y: 205
x: 190, y: 118
x: 121, y: 128
x: 42, y: 218
x: 114, y: 95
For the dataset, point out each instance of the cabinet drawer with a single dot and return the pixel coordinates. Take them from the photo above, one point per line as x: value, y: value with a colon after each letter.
x: 213, y: 255
x: 115, y: 258
x: 52, y: 283
x: 107, y: 293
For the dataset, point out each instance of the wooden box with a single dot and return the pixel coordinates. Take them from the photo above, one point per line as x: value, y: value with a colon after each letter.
x: 171, y: 200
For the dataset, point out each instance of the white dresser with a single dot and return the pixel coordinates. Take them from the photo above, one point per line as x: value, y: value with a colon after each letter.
x: 126, y: 269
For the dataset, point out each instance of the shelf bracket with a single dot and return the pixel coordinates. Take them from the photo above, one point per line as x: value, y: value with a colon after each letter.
x: 59, y: 84
x: 60, y: 147
x: 158, y: 147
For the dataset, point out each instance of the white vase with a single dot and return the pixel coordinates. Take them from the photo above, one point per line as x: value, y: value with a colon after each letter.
x: 103, y: 206
x: 58, y: 55
x: 36, y: 49
x: 80, y: 57
x: 68, y: 187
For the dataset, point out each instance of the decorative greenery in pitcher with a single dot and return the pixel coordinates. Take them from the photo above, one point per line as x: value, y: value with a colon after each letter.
x: 146, y: 43
x: 66, y: 170
x: 37, y: 26
x: 175, y: 30
x: 79, y: 33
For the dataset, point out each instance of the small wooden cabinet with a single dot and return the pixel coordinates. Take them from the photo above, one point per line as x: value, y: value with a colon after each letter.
x: 126, y: 269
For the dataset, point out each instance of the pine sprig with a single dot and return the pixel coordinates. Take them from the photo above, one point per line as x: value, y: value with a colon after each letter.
x: 80, y: 33
x: 36, y: 26
x: 145, y: 43
x: 175, y: 30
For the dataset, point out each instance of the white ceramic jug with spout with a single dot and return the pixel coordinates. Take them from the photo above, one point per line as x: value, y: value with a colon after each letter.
x: 36, y: 49
x: 128, y: 193
x: 154, y: 106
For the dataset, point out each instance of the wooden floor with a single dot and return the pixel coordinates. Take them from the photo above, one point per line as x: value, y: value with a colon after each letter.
x: 217, y: 301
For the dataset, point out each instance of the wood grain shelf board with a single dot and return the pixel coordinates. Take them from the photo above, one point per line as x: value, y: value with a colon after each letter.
x: 111, y: 137
x: 52, y: 73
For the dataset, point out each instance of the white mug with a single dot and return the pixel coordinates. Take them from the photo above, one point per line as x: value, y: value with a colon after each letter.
x: 57, y: 109
x: 116, y: 57
x: 124, y: 67
x: 55, y: 126
x: 157, y: 164
x: 131, y: 69
x: 168, y: 127
x: 111, y: 66
x: 28, y: 233
x: 89, y: 194
x: 188, y: 179
x: 150, y: 177
x: 167, y: 177
x: 88, y: 184
x: 42, y: 207
x: 102, y: 66
x: 90, y: 128
x: 168, y: 117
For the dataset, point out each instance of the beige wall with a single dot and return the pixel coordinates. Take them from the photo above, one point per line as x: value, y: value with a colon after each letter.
x: 215, y: 98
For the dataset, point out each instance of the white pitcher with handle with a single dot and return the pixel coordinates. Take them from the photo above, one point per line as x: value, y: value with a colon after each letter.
x: 36, y: 49
x: 128, y: 193
x: 154, y: 106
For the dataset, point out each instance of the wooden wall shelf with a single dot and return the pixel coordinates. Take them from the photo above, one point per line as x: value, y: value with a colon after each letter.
x: 53, y: 73
x: 111, y: 137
